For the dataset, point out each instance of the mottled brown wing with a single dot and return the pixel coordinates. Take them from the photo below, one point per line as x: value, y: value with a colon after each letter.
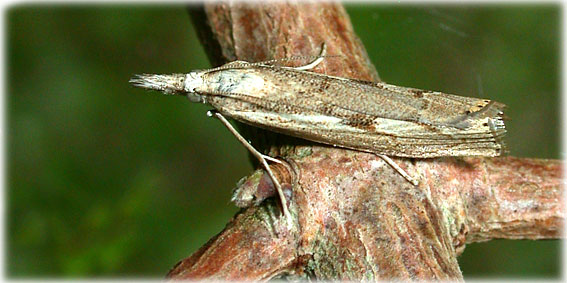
x: 365, y: 116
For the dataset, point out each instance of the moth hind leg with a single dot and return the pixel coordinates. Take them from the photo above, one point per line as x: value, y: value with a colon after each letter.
x: 398, y: 169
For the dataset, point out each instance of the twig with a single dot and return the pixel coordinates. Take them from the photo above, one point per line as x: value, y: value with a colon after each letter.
x: 356, y: 217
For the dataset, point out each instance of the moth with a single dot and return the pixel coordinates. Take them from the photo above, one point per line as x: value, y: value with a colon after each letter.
x: 366, y: 116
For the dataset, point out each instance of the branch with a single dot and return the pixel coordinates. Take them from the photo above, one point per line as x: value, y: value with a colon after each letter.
x: 356, y: 218
x: 515, y: 198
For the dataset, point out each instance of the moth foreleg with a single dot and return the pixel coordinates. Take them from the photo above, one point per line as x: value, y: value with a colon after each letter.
x: 261, y: 157
x: 315, y: 62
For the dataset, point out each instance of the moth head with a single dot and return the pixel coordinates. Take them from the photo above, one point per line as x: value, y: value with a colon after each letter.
x: 194, y: 80
x: 180, y: 84
x: 168, y: 84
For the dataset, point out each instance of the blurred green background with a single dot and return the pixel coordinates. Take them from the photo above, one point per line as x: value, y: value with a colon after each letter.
x: 105, y: 180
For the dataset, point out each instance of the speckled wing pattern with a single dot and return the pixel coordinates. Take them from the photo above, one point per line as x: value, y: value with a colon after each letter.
x: 365, y: 116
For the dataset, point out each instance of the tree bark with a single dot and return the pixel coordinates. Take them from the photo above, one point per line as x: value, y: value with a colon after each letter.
x: 355, y: 218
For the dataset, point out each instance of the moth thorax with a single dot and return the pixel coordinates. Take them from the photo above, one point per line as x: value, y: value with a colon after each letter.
x: 237, y: 81
x: 193, y: 82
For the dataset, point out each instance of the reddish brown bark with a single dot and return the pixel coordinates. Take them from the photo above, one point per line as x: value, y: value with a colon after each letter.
x: 354, y: 217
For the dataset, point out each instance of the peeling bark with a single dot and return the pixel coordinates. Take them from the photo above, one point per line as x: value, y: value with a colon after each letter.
x: 354, y: 217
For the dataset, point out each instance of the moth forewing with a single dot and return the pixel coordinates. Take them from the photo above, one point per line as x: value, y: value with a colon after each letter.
x: 366, y: 116
x: 326, y: 130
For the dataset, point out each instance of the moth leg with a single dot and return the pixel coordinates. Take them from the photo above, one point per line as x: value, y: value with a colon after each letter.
x: 399, y: 169
x: 269, y: 158
x: 315, y: 62
x: 261, y: 157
